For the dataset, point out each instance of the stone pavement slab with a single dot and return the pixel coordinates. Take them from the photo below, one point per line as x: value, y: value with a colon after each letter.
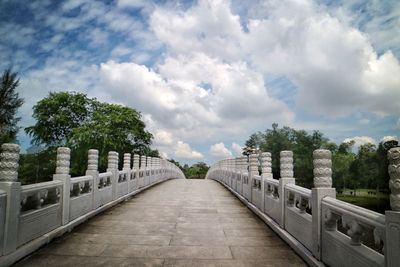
x: 176, y: 223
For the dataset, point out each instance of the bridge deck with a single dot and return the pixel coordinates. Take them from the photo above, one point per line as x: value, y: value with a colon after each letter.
x: 177, y: 223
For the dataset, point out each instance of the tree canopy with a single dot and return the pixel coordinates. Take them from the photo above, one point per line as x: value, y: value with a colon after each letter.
x: 9, y: 104
x: 367, y: 168
x: 58, y: 114
x: 81, y: 123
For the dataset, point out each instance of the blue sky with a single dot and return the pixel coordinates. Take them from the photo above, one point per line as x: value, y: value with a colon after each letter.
x: 207, y: 74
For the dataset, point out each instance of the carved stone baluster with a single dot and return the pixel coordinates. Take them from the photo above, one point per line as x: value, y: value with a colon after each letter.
x: 148, y: 170
x: 266, y: 165
x: 62, y: 174
x: 266, y: 173
x: 392, y: 245
x: 245, y: 169
x: 93, y: 160
x: 253, y: 168
x: 322, y: 168
x: 286, y: 172
x: 112, y: 166
x: 135, y: 167
x: 356, y: 230
x: 9, y: 157
x: 143, y: 170
x: 322, y: 182
x: 143, y: 163
x: 290, y: 198
x: 286, y: 164
x: 394, y: 182
x: 92, y: 170
x: 331, y: 220
x: 303, y: 203
x: 127, y: 161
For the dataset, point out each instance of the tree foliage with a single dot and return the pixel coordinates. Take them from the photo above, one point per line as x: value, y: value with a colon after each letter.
x: 9, y: 104
x: 82, y: 123
x: 58, y: 115
x: 196, y: 171
x: 365, y: 169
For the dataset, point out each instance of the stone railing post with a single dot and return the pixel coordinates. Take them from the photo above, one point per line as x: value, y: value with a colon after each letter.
x: 229, y: 172
x: 93, y: 170
x: 142, y: 170
x: 286, y: 173
x: 149, y: 168
x: 237, y: 172
x: 112, y: 166
x: 253, y: 171
x: 322, y: 188
x: 62, y: 174
x: 392, y: 245
x: 244, y: 170
x: 9, y: 158
x: 136, y: 160
x: 158, y: 169
x: 266, y: 173
x: 127, y: 166
x: 127, y: 161
x: 136, y: 165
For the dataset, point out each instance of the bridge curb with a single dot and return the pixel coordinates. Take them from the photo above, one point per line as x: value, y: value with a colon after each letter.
x: 32, y: 246
x: 301, y: 250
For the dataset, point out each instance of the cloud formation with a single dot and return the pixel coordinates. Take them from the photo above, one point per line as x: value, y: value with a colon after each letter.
x: 219, y: 151
x: 208, y: 71
x: 360, y: 140
x: 184, y: 151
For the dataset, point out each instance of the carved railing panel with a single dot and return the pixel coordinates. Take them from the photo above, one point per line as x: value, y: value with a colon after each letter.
x: 40, y: 210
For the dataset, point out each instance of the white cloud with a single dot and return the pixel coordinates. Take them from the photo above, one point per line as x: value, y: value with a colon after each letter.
x: 220, y: 151
x: 195, y: 98
x: 208, y: 63
x: 389, y: 138
x: 360, y: 140
x: 163, y: 137
x: 184, y: 151
x: 237, y: 148
x: 333, y: 65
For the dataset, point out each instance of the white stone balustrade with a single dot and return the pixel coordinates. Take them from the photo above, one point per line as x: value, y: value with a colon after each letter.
x: 32, y: 215
x: 308, y: 219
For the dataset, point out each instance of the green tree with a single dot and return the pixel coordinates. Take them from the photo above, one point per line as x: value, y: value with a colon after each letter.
x: 58, y: 115
x: 252, y: 144
x: 81, y: 123
x: 37, y: 167
x: 9, y: 104
x: 276, y: 140
x: 300, y: 142
x: 203, y: 169
x: 111, y: 127
x: 341, y: 176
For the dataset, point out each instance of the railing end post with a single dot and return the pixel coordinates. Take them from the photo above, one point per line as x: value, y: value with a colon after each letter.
x: 392, y: 245
x: 9, y: 158
x: 323, y: 187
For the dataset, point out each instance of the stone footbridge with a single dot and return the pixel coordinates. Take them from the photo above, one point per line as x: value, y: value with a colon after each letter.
x: 147, y: 214
x: 177, y: 223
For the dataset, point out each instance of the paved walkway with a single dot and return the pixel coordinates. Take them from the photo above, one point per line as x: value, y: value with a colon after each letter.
x: 176, y: 223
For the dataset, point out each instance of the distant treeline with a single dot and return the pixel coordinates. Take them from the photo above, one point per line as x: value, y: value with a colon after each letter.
x: 196, y: 171
x: 365, y: 167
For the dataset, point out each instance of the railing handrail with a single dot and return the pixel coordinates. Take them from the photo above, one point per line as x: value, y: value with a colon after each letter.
x: 59, y: 205
x: 289, y: 208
